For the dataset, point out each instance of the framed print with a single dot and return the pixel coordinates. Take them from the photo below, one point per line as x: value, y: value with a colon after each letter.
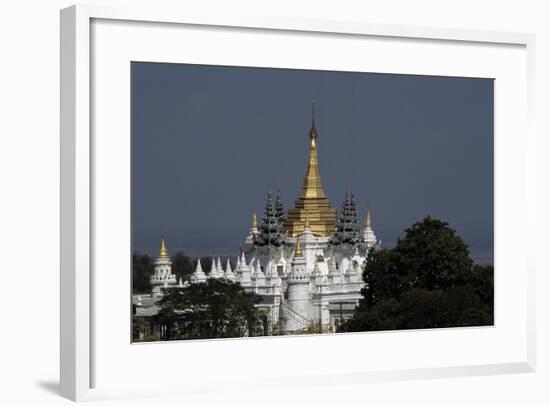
x: 322, y: 195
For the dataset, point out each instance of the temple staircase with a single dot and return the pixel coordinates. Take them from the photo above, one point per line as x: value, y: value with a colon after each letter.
x: 289, y: 313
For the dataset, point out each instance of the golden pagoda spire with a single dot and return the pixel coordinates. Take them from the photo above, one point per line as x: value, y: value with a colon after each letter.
x: 312, y: 203
x: 298, y: 252
x: 254, y: 221
x: 312, y: 187
x: 163, y: 251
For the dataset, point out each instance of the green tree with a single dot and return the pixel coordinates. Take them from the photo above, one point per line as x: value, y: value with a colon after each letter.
x: 433, y: 255
x: 213, y: 309
x: 206, y: 263
x: 182, y: 266
x: 428, y: 280
x: 142, y: 269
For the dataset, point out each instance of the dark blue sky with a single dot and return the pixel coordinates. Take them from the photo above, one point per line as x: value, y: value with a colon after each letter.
x: 208, y: 140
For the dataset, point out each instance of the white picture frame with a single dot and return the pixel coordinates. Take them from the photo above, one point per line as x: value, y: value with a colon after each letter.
x: 77, y: 282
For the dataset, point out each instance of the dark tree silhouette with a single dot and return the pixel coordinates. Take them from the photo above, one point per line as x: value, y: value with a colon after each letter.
x: 213, y: 309
x: 142, y: 269
x: 428, y: 280
x: 182, y: 266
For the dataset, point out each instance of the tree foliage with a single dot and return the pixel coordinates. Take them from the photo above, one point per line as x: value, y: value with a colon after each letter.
x: 213, y: 309
x: 428, y: 280
x: 142, y: 269
x: 182, y: 266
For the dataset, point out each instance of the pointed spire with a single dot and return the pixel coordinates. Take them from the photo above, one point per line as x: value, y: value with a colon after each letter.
x: 228, y: 266
x: 368, y: 233
x: 258, y: 265
x: 258, y: 271
x: 313, y: 113
x: 312, y: 187
x: 198, y: 275
x: 279, y: 207
x: 347, y: 226
x: 271, y: 269
x: 254, y: 222
x: 214, y: 270
x: 229, y: 275
x: 312, y: 197
x: 270, y: 231
x: 163, y: 253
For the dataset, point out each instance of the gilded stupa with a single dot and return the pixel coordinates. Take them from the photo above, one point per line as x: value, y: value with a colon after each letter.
x: 163, y: 253
x: 312, y: 203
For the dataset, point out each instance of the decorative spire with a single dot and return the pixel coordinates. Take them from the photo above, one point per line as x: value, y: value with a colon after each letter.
x: 279, y: 207
x: 163, y: 253
x: 215, y: 269
x: 369, y: 238
x: 312, y: 198
x: 347, y: 227
x: 198, y: 275
x: 298, y: 252
x: 258, y: 271
x: 254, y: 222
x: 313, y: 113
x: 270, y: 231
x: 229, y: 275
x: 312, y: 181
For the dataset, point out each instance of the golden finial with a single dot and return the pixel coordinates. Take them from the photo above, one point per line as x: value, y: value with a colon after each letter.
x: 298, y: 252
x: 163, y: 251
x: 313, y: 131
x: 369, y: 221
x: 312, y: 198
x: 254, y: 222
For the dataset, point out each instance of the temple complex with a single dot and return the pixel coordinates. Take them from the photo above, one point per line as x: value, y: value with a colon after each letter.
x: 305, y: 263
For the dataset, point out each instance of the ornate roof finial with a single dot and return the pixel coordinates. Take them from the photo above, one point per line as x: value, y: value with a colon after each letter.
x: 312, y: 198
x: 313, y: 113
x: 313, y: 131
x: 298, y: 252
x: 163, y: 251
x: 254, y: 222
